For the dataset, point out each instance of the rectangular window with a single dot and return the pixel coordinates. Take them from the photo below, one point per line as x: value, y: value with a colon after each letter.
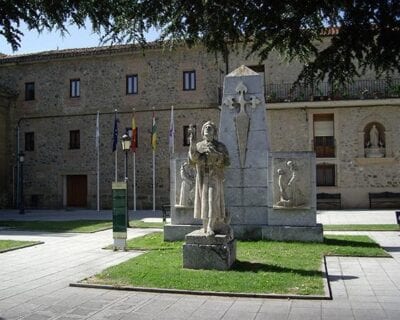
x: 132, y: 84
x: 326, y: 175
x: 29, y: 141
x: 74, y: 139
x: 75, y: 88
x: 186, y: 135
x: 29, y: 91
x: 189, y: 80
x: 324, y: 139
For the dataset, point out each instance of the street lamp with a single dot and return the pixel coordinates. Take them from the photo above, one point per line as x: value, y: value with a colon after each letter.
x: 21, y: 158
x: 126, y: 145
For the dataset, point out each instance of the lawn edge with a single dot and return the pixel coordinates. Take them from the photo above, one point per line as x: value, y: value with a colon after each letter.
x: 325, y: 281
x: 22, y: 247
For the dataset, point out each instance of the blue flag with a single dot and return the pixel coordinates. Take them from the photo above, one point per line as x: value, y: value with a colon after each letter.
x: 115, y: 137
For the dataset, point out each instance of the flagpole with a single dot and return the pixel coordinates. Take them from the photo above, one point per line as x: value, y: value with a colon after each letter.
x: 116, y: 154
x: 172, y: 129
x: 172, y: 165
x: 134, y: 181
x: 154, y: 180
x: 153, y: 144
x: 98, y: 159
x: 134, y: 146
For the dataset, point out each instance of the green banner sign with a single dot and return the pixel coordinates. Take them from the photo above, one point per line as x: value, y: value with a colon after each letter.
x: 119, y: 202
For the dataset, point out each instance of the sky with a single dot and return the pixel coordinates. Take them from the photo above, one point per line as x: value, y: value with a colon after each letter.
x: 32, y: 41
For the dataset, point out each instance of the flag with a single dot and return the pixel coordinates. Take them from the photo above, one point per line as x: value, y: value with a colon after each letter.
x: 172, y: 132
x: 98, y: 130
x: 134, y: 143
x: 115, y: 137
x: 154, y: 133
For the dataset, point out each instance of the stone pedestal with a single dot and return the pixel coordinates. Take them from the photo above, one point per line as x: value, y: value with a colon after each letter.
x: 292, y: 214
x: 182, y: 223
x: 201, y: 252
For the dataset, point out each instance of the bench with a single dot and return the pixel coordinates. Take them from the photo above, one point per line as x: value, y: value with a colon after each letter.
x: 329, y: 201
x: 384, y: 200
x: 166, y: 211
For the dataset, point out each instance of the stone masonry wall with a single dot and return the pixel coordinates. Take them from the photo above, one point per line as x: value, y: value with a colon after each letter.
x: 102, y: 77
x: 4, y: 162
x: 53, y: 114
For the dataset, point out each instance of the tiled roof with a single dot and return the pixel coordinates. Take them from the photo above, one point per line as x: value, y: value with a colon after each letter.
x: 98, y: 51
x: 79, y: 52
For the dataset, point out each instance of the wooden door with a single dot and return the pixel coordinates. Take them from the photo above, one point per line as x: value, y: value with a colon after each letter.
x: 77, y: 191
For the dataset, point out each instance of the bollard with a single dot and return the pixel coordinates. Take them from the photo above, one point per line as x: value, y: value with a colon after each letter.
x: 398, y: 217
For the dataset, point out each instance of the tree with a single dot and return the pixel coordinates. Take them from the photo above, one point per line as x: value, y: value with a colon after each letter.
x: 367, y: 32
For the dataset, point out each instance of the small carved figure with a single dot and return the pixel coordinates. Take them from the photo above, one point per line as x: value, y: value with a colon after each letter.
x: 187, y: 185
x: 282, y: 186
x: 289, y: 194
x: 374, y: 137
x: 210, y: 157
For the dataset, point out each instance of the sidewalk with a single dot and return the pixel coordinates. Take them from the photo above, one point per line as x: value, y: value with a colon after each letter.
x: 323, y: 216
x: 357, y: 217
x: 34, y: 282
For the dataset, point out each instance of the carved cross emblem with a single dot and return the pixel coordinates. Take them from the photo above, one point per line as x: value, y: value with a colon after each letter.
x: 240, y: 101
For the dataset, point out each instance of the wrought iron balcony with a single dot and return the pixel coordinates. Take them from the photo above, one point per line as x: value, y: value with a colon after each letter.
x: 324, y: 91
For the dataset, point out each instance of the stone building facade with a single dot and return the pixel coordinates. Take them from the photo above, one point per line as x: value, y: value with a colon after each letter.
x: 60, y: 93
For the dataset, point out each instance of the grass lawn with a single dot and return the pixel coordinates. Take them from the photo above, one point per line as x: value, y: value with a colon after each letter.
x: 78, y: 226
x: 7, y: 245
x: 361, y: 227
x: 261, y: 266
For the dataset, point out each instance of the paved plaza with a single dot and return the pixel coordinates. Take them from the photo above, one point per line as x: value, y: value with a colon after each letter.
x: 34, y: 281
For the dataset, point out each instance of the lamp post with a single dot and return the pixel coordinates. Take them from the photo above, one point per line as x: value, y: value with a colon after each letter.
x: 21, y: 159
x: 126, y: 145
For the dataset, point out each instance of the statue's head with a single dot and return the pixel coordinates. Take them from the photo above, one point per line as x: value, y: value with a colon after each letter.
x: 291, y: 165
x: 209, y: 131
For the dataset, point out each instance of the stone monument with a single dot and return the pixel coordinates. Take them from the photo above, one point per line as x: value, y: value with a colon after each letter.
x: 267, y: 195
x: 182, y: 199
x: 213, y: 246
x: 244, y: 131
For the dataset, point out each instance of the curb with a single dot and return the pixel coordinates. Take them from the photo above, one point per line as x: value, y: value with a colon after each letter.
x: 201, y: 293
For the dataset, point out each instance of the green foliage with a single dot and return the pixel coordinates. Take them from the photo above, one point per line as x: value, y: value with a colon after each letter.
x: 261, y: 266
x: 368, y: 37
x: 143, y: 224
x: 6, y: 245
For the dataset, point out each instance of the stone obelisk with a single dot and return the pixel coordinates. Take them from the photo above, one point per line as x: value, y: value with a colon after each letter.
x: 243, y: 130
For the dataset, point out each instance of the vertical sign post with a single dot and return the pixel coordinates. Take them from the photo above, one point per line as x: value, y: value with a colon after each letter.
x: 120, y: 209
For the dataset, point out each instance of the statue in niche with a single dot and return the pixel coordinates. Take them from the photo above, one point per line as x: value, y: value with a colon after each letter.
x: 187, y: 185
x: 210, y: 158
x: 290, y: 195
x: 374, y: 137
x: 374, y: 147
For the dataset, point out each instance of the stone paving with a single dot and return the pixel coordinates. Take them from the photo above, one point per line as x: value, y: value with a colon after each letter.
x: 34, y: 284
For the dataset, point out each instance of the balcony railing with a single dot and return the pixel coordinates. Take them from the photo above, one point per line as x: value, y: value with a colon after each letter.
x: 359, y: 89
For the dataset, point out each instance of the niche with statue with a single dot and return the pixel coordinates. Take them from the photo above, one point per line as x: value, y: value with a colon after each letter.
x: 374, y: 140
